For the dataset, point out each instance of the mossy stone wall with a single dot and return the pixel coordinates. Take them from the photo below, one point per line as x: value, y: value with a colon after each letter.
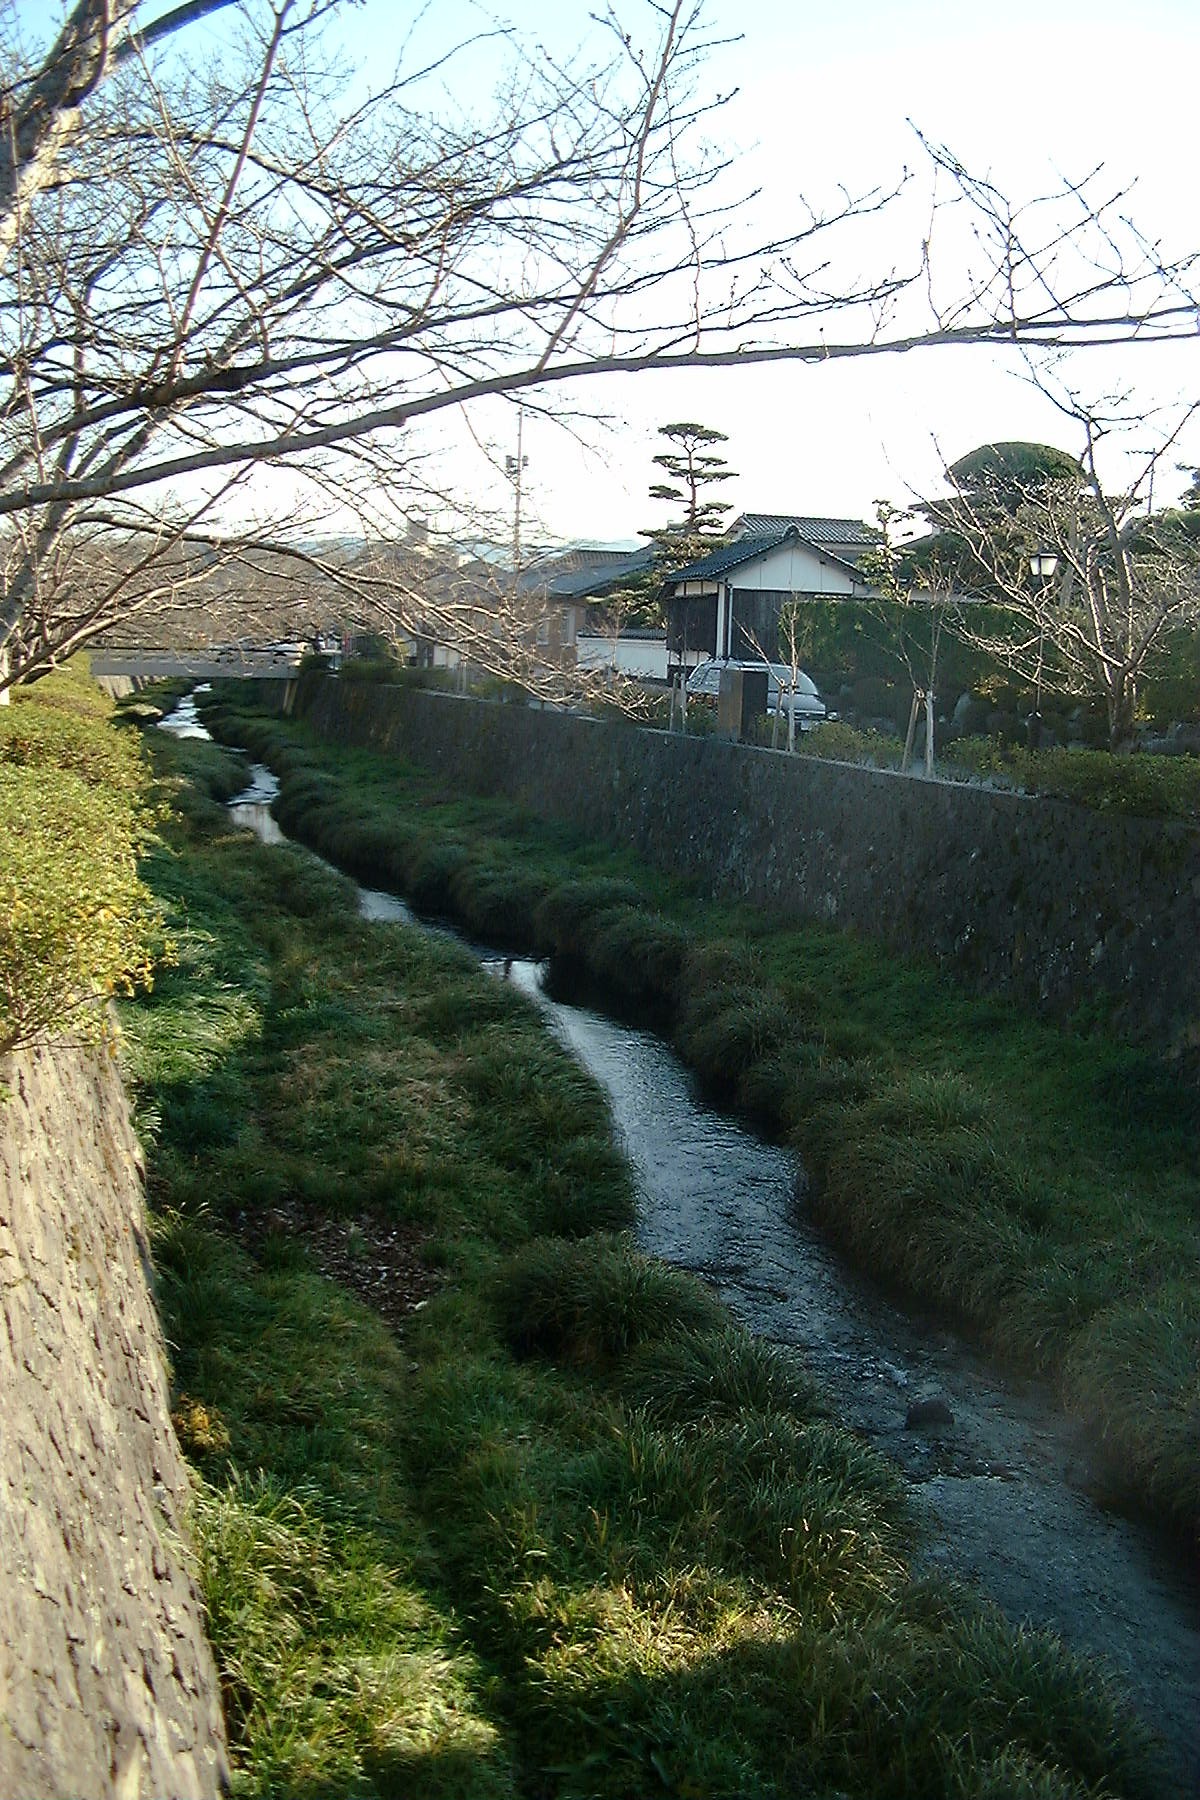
x: 1071, y: 910
x: 107, y: 1684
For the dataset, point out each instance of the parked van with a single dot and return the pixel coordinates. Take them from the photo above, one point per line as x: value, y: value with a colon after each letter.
x: 799, y: 691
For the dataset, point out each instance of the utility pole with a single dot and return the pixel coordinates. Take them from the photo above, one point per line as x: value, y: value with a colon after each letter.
x: 514, y: 467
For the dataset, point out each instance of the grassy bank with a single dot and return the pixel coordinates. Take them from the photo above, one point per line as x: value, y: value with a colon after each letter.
x: 1038, y: 1186
x: 562, y: 1530
x: 76, y: 924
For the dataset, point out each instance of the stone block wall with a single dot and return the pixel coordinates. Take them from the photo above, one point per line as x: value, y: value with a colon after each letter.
x: 1067, y: 909
x: 107, y: 1686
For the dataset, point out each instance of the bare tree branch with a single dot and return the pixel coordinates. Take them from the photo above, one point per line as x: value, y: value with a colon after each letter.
x: 240, y: 268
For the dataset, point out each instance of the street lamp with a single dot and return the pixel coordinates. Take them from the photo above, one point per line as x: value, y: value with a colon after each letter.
x: 1043, y: 566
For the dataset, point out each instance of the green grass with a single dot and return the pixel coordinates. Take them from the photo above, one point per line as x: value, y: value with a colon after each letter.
x: 76, y: 924
x: 1145, y: 785
x: 570, y: 1533
x: 1037, y: 1184
x: 1150, y: 786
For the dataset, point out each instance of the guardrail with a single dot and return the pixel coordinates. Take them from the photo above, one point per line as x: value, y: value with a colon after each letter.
x: 205, y: 665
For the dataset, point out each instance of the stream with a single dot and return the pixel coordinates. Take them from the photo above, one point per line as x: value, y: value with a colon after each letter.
x: 1000, y: 1479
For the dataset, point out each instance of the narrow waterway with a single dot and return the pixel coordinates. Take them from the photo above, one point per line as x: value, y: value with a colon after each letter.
x: 1000, y: 1477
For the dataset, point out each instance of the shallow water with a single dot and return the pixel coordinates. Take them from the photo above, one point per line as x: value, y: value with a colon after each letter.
x: 184, y: 721
x: 1004, y: 1488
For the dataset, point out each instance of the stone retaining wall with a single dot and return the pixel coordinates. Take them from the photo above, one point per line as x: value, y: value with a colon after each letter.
x: 1071, y: 910
x: 107, y: 1686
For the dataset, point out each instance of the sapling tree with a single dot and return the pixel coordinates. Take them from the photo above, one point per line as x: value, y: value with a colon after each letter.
x: 916, y: 594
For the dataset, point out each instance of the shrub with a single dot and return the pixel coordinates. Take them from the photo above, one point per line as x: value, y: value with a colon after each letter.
x: 1161, y: 787
x: 69, y: 689
x: 839, y: 742
x: 76, y: 923
x: 38, y: 736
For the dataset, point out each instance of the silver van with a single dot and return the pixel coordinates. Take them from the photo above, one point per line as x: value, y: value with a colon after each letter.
x: 799, y: 691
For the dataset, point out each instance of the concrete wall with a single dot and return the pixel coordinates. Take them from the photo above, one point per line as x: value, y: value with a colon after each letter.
x: 107, y: 1686
x: 1053, y: 904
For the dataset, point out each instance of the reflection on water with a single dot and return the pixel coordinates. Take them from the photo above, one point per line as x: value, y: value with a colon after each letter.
x: 184, y: 721
x: 384, y: 908
x: 251, y: 809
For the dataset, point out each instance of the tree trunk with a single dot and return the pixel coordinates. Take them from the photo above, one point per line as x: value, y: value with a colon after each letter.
x: 910, y: 734
x: 1120, y: 700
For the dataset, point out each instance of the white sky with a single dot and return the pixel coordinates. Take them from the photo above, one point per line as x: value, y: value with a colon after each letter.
x: 1025, y: 92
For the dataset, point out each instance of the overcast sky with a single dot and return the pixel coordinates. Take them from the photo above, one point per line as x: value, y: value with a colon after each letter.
x: 1027, y: 93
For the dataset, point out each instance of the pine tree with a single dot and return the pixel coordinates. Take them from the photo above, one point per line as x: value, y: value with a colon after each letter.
x: 693, y: 467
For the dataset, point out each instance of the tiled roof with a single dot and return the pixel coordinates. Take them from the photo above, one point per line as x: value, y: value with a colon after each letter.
x: 745, y: 549
x: 728, y: 557
x: 589, y: 575
x: 846, y: 532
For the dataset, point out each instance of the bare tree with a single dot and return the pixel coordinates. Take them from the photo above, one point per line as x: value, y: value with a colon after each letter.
x: 41, y: 111
x: 1089, y: 583
x: 430, y: 601
x: 215, y: 269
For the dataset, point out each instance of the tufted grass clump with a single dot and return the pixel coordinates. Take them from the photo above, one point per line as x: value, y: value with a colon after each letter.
x: 638, y: 955
x: 568, y: 914
x: 1132, y: 1374
x: 334, y: 1670
x: 921, y: 1178
x: 591, y: 1302
x: 725, y: 1032
x: 693, y: 1376
x: 497, y: 903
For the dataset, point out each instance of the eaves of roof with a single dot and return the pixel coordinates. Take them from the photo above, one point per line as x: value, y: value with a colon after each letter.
x: 732, y: 556
x: 582, y: 584
x: 729, y: 556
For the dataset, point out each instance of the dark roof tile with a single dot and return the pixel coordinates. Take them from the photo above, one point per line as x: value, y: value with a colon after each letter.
x: 846, y: 532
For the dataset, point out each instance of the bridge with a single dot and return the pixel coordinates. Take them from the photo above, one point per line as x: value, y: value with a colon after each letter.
x: 137, y: 666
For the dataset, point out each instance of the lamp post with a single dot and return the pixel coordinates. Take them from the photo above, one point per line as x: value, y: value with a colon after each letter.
x: 1043, y: 566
